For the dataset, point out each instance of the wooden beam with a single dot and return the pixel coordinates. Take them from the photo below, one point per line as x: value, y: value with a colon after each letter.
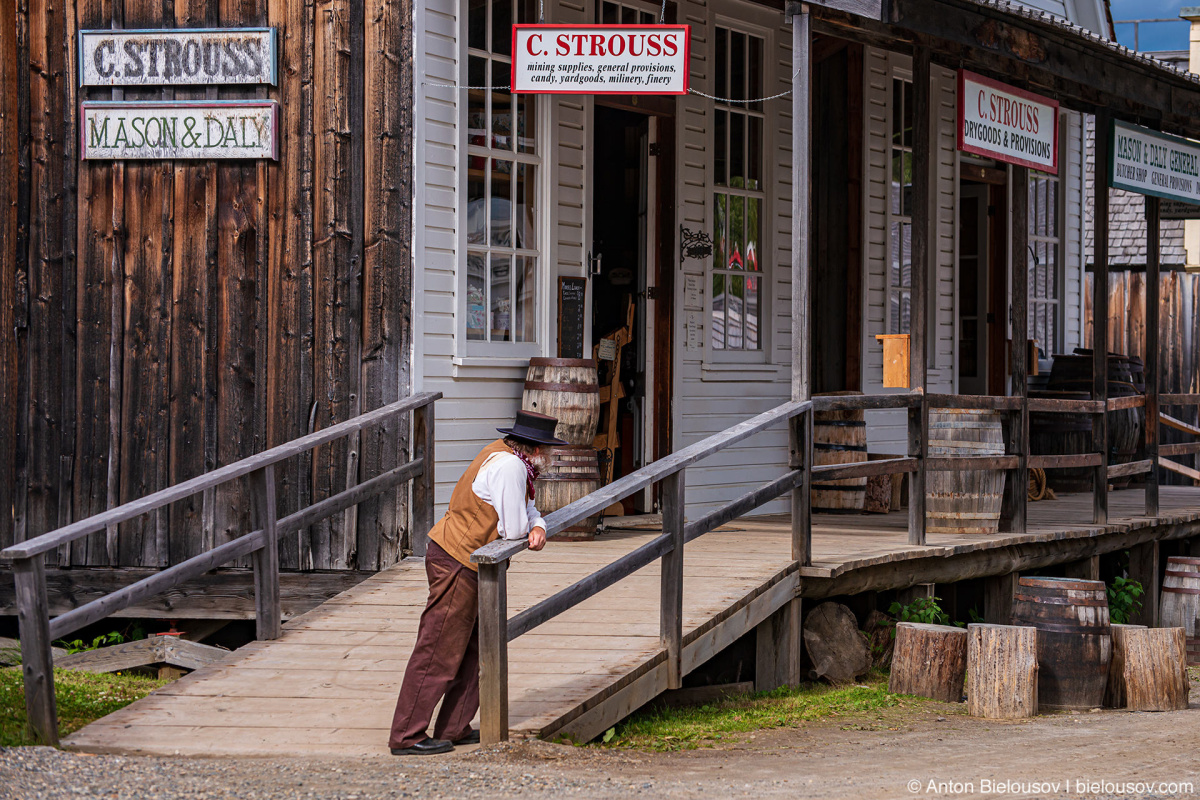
x: 671, y: 578
x: 1087, y: 568
x: 868, y: 402
x: 1131, y: 468
x: 1177, y: 424
x: 801, y: 205
x: 268, y: 613
x: 945, y: 463
x: 800, y: 458
x: 1066, y: 461
x: 777, y: 648
x: 37, y: 665
x: 170, y: 650
x: 866, y: 469
x: 998, y: 591
x: 424, y: 486
x: 1100, y: 318
x: 918, y: 418
x: 1123, y: 403
x: 493, y: 652
x: 1175, y: 466
x: 980, y: 401
x: 1153, y: 259
x: 1058, y: 406
x: 1143, y: 568
x: 1016, y: 487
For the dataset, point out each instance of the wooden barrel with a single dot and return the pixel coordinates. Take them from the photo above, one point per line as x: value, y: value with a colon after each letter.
x: 1074, y: 638
x: 1073, y: 373
x: 964, y: 501
x: 1062, y: 434
x: 839, y: 437
x: 1180, y: 604
x: 573, y: 473
x: 566, y: 389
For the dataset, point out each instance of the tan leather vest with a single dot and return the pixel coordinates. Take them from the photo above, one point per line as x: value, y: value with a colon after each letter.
x: 469, y: 523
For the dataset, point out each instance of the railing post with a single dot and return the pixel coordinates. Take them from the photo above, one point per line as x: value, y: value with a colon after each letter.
x: 1151, y: 364
x: 671, y: 602
x: 1014, y: 507
x: 493, y: 652
x: 918, y: 436
x: 37, y: 664
x: 1100, y: 321
x: 423, y: 485
x: 800, y: 433
x: 918, y: 370
x: 268, y: 610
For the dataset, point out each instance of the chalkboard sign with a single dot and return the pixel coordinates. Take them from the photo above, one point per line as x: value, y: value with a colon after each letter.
x: 572, y: 293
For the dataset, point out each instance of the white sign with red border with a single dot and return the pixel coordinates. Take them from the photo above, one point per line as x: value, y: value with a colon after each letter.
x: 1006, y: 123
x: 600, y: 59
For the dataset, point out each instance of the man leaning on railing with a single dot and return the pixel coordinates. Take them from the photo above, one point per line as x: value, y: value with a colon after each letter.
x: 492, y: 500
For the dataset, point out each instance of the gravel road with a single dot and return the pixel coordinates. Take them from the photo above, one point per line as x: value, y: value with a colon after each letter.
x: 868, y: 757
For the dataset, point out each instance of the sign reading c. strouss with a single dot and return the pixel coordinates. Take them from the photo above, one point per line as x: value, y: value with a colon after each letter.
x: 1007, y: 123
x: 600, y: 59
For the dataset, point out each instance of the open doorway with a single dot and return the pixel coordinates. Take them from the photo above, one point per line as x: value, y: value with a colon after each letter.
x: 983, y: 280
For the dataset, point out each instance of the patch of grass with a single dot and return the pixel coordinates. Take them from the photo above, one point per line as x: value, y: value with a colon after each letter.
x: 722, y: 721
x: 82, y: 698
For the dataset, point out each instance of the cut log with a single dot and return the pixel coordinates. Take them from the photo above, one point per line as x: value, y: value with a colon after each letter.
x: 838, y: 649
x: 1149, y: 669
x: 1114, y: 692
x: 929, y: 661
x: 1002, y: 671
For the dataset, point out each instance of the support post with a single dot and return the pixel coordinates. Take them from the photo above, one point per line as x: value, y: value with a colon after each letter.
x: 37, y: 662
x: 998, y: 591
x: 1015, y: 504
x: 671, y: 597
x: 268, y: 609
x: 493, y: 652
x: 1151, y: 354
x: 1143, y: 568
x: 423, y: 484
x: 777, y: 645
x: 1087, y: 569
x: 1100, y: 319
x: 800, y: 427
x: 801, y: 457
x: 918, y: 418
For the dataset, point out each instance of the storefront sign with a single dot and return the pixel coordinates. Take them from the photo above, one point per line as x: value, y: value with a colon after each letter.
x: 177, y: 57
x: 600, y: 59
x: 1007, y: 123
x: 1148, y: 162
x: 197, y: 129
x: 1173, y: 209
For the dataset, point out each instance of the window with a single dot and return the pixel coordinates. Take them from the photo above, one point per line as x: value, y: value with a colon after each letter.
x: 899, y: 282
x: 739, y: 199
x: 620, y: 14
x: 502, y: 169
x: 1044, y: 245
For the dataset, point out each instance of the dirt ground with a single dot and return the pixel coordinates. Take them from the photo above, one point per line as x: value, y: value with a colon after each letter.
x: 893, y: 754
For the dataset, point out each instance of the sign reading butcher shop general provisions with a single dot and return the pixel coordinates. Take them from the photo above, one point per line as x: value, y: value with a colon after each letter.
x: 1149, y: 162
x: 600, y: 59
x: 175, y: 57
x: 1006, y: 123
x: 167, y: 130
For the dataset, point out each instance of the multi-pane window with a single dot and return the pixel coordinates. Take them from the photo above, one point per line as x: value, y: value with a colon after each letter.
x: 620, y: 14
x: 502, y: 168
x: 740, y: 195
x: 1045, y: 242
x: 900, y: 162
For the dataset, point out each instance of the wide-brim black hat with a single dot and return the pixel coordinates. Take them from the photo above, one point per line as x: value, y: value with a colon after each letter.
x: 533, y: 427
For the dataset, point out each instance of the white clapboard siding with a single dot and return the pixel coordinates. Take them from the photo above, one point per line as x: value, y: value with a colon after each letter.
x: 887, y: 431
x: 1073, y: 188
x: 710, y: 400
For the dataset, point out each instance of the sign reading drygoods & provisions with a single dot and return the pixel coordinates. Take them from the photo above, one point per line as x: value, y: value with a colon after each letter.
x: 175, y: 57
x: 1148, y: 162
x: 600, y: 59
x: 1006, y: 123
x: 182, y: 129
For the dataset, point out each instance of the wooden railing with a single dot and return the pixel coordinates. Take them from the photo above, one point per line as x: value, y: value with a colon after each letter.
x: 38, y: 630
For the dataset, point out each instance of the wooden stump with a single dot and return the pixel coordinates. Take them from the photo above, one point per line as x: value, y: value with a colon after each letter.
x: 837, y: 648
x: 1149, y: 669
x: 930, y: 661
x: 1002, y: 669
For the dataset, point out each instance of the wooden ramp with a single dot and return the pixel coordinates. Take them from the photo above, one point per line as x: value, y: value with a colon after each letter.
x: 328, y: 686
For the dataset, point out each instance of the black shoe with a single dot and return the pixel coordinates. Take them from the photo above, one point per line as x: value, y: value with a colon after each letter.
x: 470, y: 738
x: 426, y: 747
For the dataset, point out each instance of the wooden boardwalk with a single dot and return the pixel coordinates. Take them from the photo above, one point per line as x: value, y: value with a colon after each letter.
x: 328, y: 686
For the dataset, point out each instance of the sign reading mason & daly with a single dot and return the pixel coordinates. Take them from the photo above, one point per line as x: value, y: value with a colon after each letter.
x: 600, y: 59
x: 1007, y: 123
x: 1149, y: 162
x: 182, y: 129
x: 207, y: 56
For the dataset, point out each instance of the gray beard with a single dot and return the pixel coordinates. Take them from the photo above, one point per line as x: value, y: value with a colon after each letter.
x: 540, y: 461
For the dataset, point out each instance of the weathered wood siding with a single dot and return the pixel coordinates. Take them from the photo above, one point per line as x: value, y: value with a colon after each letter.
x: 159, y: 319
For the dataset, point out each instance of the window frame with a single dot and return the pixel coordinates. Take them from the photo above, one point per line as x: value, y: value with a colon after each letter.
x: 725, y: 358
x: 473, y: 351
x: 903, y: 76
x: 1059, y: 247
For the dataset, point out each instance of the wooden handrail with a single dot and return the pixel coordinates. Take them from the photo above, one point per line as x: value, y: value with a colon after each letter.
x: 980, y: 402
x: 37, y: 630
x: 135, y: 508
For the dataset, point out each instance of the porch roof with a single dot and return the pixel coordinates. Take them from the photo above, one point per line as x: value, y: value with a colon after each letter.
x: 1024, y: 47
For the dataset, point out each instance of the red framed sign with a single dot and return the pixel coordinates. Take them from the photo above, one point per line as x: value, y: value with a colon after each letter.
x: 600, y: 59
x: 1006, y: 123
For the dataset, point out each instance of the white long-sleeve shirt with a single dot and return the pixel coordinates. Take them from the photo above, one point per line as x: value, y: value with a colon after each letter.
x: 500, y: 483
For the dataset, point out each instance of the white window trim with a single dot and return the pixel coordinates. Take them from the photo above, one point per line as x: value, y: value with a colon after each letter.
x: 1060, y: 272
x: 733, y: 365
x: 476, y: 354
x: 901, y: 74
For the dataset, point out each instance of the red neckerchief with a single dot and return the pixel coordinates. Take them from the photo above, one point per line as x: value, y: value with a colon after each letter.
x: 531, y: 474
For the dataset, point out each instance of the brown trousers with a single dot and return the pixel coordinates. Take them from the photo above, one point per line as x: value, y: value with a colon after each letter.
x: 445, y: 660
